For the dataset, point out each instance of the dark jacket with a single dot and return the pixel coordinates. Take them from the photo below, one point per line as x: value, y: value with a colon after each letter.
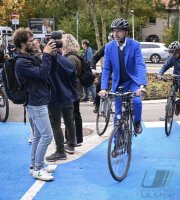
x: 77, y: 63
x: 63, y: 82
x: 33, y: 75
x: 97, y: 57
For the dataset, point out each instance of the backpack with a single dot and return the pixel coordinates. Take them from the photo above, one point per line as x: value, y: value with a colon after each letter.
x: 13, y: 88
x: 86, y: 77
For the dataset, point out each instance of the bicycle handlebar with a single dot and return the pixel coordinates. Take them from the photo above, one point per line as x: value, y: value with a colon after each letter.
x: 173, y: 77
x: 124, y: 94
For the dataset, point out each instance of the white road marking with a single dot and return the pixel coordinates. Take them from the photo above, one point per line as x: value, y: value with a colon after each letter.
x: 157, y: 124
x: 34, y: 189
x: 90, y: 142
x: 178, y: 122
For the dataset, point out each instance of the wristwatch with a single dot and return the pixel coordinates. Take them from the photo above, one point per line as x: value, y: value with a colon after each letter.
x: 142, y: 86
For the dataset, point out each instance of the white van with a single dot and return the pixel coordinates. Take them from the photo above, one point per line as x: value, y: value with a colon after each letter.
x: 5, y: 36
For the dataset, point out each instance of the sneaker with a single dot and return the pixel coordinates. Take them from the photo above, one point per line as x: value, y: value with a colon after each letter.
x: 138, y: 127
x: 69, y: 149
x: 56, y: 156
x: 78, y: 144
x: 95, y: 110
x: 177, y: 110
x: 31, y: 136
x: 48, y: 169
x: 30, y: 141
x: 42, y: 175
x: 84, y: 100
x: 31, y: 170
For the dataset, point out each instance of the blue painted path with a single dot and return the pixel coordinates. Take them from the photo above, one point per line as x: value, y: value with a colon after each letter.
x: 154, y: 172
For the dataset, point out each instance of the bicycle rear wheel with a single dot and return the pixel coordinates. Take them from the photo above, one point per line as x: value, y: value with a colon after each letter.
x: 4, y: 106
x: 102, y: 118
x: 119, y: 153
x: 169, y: 114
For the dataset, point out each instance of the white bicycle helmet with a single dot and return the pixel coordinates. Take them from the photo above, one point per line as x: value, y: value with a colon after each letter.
x: 120, y: 24
x: 174, y: 46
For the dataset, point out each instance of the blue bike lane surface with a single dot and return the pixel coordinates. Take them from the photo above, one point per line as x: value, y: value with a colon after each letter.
x: 154, y: 171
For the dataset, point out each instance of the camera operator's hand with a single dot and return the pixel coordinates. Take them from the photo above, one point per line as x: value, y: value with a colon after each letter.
x: 50, y: 48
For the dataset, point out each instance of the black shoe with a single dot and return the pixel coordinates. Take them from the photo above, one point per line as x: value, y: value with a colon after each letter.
x: 84, y: 100
x: 56, y: 156
x: 78, y: 145
x: 95, y: 110
x: 177, y: 110
x: 138, y: 127
x: 69, y: 149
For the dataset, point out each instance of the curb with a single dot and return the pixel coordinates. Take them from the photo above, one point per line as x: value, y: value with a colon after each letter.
x: 154, y: 101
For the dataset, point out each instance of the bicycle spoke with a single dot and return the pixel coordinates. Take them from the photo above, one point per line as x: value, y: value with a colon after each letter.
x: 119, y: 154
x: 103, y: 117
x: 169, y: 115
x: 4, y: 106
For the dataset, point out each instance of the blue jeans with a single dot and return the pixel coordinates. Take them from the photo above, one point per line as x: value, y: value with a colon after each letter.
x: 137, y: 101
x: 42, y: 134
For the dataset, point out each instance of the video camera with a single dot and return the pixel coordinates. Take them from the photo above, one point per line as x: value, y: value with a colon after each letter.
x: 56, y: 36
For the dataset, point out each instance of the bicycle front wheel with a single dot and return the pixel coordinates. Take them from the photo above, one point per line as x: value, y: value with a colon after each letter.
x: 4, y: 106
x: 119, y: 153
x: 169, y: 115
x: 102, y: 118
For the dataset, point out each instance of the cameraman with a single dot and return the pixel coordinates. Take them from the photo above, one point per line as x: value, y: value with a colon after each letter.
x: 33, y: 75
x: 63, y: 83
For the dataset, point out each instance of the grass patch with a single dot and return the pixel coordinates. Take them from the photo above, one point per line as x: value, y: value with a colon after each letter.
x: 157, y: 89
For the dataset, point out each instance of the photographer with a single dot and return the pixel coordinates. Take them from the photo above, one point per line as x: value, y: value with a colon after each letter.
x: 33, y: 75
x: 63, y: 82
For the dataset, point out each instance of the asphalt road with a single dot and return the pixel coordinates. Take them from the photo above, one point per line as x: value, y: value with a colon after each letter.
x: 152, y: 111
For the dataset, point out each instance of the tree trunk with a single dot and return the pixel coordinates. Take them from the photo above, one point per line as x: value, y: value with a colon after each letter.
x: 103, y: 22
x: 93, y: 15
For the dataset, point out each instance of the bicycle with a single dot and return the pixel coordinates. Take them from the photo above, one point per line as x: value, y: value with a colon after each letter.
x: 4, y: 103
x: 103, y: 114
x: 171, y: 103
x: 120, y: 141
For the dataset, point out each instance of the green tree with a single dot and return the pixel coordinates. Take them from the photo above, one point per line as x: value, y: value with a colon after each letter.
x: 95, y: 16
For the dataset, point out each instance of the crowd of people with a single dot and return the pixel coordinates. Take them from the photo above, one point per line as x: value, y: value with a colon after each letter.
x: 50, y: 76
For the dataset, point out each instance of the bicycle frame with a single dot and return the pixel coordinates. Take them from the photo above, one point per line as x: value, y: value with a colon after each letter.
x: 127, y: 113
x: 170, y: 105
x: 120, y: 140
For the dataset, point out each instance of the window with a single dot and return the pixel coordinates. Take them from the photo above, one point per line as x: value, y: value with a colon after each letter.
x: 154, y: 46
x: 145, y: 46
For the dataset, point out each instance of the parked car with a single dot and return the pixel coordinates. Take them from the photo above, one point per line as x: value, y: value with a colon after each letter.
x: 154, y: 51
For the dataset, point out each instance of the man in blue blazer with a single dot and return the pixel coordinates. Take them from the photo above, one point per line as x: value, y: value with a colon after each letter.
x: 124, y: 59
